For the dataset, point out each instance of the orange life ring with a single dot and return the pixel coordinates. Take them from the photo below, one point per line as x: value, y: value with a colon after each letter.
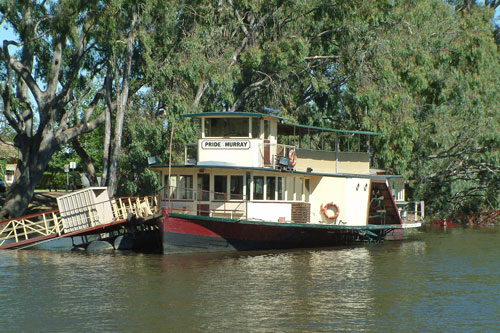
x: 292, y: 157
x: 328, y: 205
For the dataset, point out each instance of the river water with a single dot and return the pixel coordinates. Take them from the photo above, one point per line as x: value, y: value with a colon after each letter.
x: 434, y: 281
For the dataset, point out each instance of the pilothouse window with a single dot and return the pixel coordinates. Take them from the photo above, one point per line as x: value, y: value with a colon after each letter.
x: 230, y: 127
x: 267, y: 129
x: 255, y: 128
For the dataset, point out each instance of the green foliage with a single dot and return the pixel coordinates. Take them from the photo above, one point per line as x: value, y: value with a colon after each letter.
x: 421, y: 72
x: 424, y: 73
x: 55, y: 177
x: 430, y: 84
x: 145, y: 135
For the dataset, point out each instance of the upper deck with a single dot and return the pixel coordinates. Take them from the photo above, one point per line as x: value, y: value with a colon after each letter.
x: 267, y: 141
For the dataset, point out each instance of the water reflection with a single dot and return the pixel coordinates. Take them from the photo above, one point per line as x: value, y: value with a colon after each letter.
x: 296, y: 290
x: 430, y: 282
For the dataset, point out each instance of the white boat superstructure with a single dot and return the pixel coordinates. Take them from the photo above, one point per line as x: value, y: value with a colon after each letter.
x: 256, y: 166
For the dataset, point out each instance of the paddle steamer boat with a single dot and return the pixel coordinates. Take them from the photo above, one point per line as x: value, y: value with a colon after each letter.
x: 252, y: 182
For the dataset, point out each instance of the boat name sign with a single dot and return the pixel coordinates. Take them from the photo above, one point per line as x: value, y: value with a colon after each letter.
x: 225, y: 144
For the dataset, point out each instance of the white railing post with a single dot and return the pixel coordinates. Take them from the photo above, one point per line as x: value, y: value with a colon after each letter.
x: 24, y: 228
x: 56, y: 223
x: 123, y: 209
x: 14, y: 229
x: 45, y: 224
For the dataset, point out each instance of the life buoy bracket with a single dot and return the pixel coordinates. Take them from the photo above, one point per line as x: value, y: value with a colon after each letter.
x: 324, y: 210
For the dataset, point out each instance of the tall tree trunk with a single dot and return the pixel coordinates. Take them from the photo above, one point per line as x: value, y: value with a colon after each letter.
x: 87, y: 162
x: 107, y: 130
x: 121, y: 104
x: 35, y: 155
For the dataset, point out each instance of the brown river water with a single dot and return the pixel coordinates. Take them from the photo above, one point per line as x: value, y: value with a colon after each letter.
x: 435, y: 281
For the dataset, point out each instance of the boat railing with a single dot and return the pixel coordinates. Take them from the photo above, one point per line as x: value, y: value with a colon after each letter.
x: 411, y: 212
x: 54, y: 223
x: 194, y: 201
x: 277, y: 156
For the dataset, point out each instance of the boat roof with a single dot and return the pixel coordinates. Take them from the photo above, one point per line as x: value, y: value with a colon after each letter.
x: 284, y: 128
x: 232, y: 114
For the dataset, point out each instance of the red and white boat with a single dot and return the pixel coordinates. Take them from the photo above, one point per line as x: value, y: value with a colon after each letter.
x: 252, y: 182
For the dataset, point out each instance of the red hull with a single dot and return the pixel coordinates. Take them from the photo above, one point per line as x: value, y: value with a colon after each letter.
x: 203, y: 234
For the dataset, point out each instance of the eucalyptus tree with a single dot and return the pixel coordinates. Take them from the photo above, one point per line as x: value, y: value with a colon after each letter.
x: 118, y: 40
x: 44, y: 69
x: 428, y: 80
x: 67, y: 72
x: 229, y: 55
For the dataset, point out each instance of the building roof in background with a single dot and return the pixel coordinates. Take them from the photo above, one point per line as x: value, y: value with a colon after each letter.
x: 7, y: 150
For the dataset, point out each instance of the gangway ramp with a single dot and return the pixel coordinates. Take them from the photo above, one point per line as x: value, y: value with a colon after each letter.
x: 85, y: 218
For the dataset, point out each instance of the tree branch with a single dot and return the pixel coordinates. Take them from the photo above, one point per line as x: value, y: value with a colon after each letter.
x: 75, y: 131
x: 24, y: 73
x: 6, y: 102
x: 249, y: 91
x: 53, y: 79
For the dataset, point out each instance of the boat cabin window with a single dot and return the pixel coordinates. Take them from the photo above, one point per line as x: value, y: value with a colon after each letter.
x: 236, y: 188
x: 267, y: 129
x: 186, y: 187
x: 171, y: 186
x: 203, y: 187
x: 256, y: 128
x: 258, y: 190
x: 221, y: 127
x: 220, y: 187
x: 270, y: 188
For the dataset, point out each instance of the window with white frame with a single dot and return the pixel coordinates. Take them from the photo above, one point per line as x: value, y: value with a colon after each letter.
x: 270, y: 188
x: 258, y: 187
x: 186, y: 187
x: 236, y: 187
x: 220, y: 187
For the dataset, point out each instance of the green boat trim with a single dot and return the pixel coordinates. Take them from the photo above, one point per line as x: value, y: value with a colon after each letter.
x: 290, y: 224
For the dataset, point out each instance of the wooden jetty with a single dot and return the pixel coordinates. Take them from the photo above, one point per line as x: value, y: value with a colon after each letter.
x: 82, y: 213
